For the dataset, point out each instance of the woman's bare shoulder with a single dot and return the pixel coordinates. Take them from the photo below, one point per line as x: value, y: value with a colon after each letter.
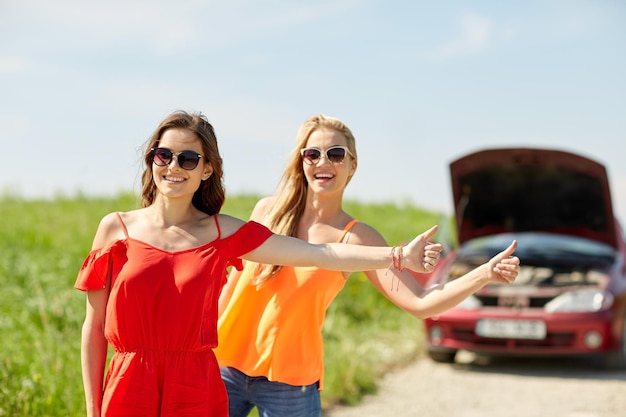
x: 108, y: 230
x: 229, y: 224
x: 111, y: 227
x: 364, y: 234
x: 261, y: 209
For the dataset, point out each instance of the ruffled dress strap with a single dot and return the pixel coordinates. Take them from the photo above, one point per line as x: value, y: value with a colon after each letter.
x: 249, y: 237
x: 102, y: 264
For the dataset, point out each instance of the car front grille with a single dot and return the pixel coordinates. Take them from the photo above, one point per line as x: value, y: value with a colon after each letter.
x: 494, y: 301
x: 551, y: 340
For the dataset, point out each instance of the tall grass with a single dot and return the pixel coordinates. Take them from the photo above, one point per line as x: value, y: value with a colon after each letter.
x: 43, y: 244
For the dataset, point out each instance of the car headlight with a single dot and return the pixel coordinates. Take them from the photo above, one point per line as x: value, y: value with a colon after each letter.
x: 470, y: 303
x: 581, y: 301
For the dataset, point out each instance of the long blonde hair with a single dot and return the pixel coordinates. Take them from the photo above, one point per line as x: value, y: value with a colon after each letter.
x: 291, y: 192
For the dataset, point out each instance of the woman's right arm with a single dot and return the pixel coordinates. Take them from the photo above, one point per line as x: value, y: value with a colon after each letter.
x: 94, y: 345
x: 94, y: 350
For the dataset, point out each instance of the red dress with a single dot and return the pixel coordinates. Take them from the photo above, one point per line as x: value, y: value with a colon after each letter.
x: 161, y: 320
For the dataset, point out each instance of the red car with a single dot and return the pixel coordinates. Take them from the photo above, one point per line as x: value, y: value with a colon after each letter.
x: 570, y: 295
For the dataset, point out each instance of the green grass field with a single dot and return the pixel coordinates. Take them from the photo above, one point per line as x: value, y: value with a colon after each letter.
x: 43, y: 245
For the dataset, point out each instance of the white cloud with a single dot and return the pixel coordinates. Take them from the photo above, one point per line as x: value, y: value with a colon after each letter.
x: 581, y: 17
x: 165, y: 26
x: 96, y: 23
x: 15, y: 126
x: 12, y: 65
x: 475, y: 37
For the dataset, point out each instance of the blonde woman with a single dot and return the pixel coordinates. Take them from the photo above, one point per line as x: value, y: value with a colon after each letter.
x: 271, y: 316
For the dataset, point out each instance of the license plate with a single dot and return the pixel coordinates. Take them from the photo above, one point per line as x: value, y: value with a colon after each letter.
x: 513, y: 329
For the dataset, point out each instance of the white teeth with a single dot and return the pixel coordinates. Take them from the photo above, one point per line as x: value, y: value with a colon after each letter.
x: 174, y: 179
x: 323, y: 176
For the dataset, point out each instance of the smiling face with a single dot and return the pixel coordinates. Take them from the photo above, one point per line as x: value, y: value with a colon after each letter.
x: 326, y: 176
x: 172, y: 180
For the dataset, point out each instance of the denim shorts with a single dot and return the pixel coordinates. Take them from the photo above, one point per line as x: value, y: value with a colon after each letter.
x: 272, y: 399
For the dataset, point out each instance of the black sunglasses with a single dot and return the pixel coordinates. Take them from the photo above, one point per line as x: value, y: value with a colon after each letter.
x: 334, y: 154
x: 186, y: 159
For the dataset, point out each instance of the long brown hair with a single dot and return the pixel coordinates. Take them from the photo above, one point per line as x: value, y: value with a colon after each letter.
x: 209, y: 197
x: 291, y: 192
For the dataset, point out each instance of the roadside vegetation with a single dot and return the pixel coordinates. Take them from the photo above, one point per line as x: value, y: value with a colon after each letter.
x: 43, y: 244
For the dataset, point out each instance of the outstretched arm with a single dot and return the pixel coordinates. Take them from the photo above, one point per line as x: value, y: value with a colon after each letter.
x: 419, y: 255
x: 502, y: 268
x: 401, y: 288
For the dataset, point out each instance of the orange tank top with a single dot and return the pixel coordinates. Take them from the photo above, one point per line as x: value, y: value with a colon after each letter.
x: 276, y: 330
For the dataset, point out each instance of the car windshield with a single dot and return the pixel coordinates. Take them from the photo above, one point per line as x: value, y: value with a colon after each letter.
x: 546, y: 258
x: 539, y: 245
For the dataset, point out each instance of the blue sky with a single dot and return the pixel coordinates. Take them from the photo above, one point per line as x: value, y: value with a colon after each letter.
x: 420, y: 83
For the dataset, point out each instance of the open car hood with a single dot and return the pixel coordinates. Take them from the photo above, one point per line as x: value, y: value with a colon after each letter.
x: 505, y: 190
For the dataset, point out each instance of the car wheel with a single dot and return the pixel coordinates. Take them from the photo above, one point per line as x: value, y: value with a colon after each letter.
x: 442, y: 357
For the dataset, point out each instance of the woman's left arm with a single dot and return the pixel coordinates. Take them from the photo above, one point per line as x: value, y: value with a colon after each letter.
x: 404, y: 291
x: 401, y: 288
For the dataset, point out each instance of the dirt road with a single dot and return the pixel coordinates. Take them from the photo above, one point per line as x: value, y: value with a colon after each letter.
x: 475, y: 387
